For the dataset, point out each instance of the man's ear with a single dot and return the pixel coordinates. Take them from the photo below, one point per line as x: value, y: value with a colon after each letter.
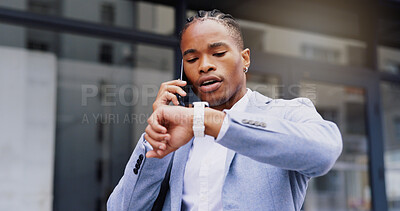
x: 246, y: 57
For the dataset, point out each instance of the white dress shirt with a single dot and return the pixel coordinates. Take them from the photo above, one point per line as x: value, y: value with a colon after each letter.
x: 205, y: 167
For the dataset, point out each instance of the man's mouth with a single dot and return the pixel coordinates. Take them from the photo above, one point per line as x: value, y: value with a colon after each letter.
x: 210, y: 84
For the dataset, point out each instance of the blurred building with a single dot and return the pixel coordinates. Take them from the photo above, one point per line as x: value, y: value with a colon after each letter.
x: 78, y: 78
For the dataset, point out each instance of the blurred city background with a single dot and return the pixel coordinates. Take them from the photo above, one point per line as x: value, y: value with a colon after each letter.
x: 78, y: 78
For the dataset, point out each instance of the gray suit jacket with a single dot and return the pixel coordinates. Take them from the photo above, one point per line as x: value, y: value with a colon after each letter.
x: 274, y: 148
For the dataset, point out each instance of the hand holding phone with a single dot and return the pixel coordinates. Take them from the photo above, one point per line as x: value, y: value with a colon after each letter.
x: 182, y: 100
x: 190, y: 97
x: 167, y: 93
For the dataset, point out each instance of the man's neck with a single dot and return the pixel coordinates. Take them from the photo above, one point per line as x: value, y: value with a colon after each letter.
x: 232, y: 101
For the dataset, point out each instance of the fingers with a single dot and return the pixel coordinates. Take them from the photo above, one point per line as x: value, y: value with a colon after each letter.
x: 156, y: 133
x: 171, y: 98
x: 160, y: 149
x: 152, y: 154
x: 153, y: 122
x: 175, y: 89
x: 157, y: 145
x: 159, y: 153
x: 167, y: 92
x: 156, y: 136
x: 177, y: 82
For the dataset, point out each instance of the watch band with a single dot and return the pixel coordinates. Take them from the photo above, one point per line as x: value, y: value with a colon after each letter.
x: 198, y: 118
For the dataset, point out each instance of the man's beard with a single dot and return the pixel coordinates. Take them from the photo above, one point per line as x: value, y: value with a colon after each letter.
x: 219, y: 99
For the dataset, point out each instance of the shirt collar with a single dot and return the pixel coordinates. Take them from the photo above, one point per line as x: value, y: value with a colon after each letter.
x: 242, y: 103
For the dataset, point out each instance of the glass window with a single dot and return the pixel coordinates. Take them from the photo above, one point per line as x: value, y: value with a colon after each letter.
x: 346, y: 186
x: 320, y: 53
x: 12, y: 4
x: 107, y: 13
x: 390, y: 94
x: 139, y: 15
x: 303, y: 44
x: 266, y: 84
x: 104, y: 101
x: 75, y: 107
x: 106, y: 53
x: 389, y: 59
x: 42, y: 7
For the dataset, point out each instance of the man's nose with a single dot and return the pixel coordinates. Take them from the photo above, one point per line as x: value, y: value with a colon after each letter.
x: 206, y: 65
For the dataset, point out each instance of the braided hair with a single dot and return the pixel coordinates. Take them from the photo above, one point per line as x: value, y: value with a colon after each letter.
x: 226, y: 19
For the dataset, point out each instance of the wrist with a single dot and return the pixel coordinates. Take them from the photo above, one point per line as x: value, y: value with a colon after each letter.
x: 213, y: 120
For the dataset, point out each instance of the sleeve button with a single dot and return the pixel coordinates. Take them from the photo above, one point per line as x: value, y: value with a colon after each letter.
x: 251, y: 122
x: 135, y: 170
x: 141, y: 156
x: 263, y: 124
x: 245, y: 121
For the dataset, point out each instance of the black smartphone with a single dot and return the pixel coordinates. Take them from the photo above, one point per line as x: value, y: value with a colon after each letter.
x: 190, y: 95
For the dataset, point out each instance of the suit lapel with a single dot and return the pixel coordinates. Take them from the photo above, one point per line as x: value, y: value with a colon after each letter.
x: 229, y: 157
x: 177, y: 172
x: 258, y: 100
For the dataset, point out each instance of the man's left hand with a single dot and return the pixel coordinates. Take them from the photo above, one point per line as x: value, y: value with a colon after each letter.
x: 170, y: 127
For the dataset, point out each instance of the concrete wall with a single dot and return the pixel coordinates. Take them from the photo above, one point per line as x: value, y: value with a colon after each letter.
x: 27, y: 127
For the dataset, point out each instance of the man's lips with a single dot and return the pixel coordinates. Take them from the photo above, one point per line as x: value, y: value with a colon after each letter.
x: 209, y: 83
x: 210, y: 87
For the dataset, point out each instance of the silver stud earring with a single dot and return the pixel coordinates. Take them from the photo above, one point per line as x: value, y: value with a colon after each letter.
x: 246, y: 69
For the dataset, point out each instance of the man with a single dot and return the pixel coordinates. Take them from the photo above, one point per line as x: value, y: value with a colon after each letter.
x: 258, y: 153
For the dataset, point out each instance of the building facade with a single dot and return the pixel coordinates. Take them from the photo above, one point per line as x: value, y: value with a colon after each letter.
x: 78, y: 79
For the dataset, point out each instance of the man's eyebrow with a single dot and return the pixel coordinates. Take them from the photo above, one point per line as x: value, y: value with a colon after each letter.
x: 213, y: 45
x: 189, y: 51
x: 217, y: 44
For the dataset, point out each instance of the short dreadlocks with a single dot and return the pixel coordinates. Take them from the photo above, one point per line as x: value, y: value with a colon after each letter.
x: 226, y: 19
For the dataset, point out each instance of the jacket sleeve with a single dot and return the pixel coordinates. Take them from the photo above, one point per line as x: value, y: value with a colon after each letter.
x: 297, y: 139
x: 138, y: 189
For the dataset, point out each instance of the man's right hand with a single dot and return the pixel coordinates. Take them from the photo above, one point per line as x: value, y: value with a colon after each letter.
x: 170, y: 127
x: 167, y: 91
x: 166, y: 95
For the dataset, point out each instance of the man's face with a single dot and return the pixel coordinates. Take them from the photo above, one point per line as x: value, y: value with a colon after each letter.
x: 214, y: 64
